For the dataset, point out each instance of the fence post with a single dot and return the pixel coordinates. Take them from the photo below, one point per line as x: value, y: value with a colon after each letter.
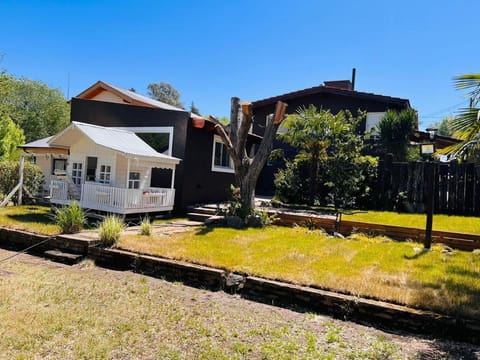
x: 430, y: 172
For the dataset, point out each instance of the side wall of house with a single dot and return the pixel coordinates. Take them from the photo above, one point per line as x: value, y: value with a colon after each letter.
x: 334, y: 102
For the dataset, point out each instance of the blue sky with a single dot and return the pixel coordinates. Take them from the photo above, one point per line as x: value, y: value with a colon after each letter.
x: 212, y: 50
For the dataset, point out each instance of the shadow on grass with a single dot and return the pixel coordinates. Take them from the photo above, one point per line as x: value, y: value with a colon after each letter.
x: 416, y: 255
x: 204, y: 230
x: 33, y: 218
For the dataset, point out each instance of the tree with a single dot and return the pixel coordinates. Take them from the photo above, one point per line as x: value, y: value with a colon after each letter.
x: 11, y: 136
x: 331, y: 146
x: 395, y: 129
x: 166, y: 93
x: 194, y: 109
x: 445, y: 126
x: 234, y: 136
x: 466, y: 125
x: 35, y: 107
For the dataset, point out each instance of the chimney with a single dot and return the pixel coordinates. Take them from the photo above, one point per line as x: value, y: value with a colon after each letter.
x: 339, y: 84
x: 354, y: 72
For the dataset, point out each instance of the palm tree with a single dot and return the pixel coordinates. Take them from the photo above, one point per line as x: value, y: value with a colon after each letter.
x: 466, y: 125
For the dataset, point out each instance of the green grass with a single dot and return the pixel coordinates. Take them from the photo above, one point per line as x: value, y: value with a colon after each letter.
x: 373, y: 267
x: 37, y: 219
x: 453, y: 223
x: 83, y: 312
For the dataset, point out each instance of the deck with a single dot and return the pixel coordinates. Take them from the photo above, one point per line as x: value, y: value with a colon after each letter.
x: 113, y: 199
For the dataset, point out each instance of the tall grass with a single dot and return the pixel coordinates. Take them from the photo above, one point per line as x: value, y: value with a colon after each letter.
x: 110, y: 230
x: 71, y: 218
x: 146, y: 227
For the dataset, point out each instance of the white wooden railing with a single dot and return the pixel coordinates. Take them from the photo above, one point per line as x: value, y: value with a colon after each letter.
x: 114, y: 199
x: 59, y: 192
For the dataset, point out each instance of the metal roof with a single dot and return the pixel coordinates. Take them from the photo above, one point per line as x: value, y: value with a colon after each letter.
x: 40, y: 143
x: 122, y: 141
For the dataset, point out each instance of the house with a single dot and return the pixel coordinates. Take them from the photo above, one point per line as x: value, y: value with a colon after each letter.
x: 332, y: 95
x: 185, y: 148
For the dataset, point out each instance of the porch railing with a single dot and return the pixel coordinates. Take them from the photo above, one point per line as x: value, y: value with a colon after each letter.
x: 59, y: 192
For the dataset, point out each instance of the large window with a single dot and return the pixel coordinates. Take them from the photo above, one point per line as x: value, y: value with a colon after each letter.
x: 373, y: 118
x: 134, y: 180
x: 221, y: 160
x: 105, y: 172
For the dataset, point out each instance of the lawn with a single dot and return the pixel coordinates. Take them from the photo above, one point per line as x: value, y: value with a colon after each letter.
x: 371, y: 267
x: 453, y: 223
x: 48, y: 310
x: 37, y: 219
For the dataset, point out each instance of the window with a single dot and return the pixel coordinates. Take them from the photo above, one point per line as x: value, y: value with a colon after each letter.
x: 134, y: 180
x: 59, y: 166
x: 221, y: 160
x: 77, y: 169
x: 373, y: 118
x: 105, y: 171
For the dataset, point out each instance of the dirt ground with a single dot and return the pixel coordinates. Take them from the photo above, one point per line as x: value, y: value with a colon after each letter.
x: 235, y: 315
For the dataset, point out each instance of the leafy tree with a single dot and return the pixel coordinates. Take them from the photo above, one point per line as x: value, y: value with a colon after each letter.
x: 395, y: 130
x: 38, y: 109
x: 328, y: 169
x: 445, y: 126
x: 166, y: 93
x: 194, y: 109
x: 32, y: 177
x: 466, y: 125
x: 11, y: 136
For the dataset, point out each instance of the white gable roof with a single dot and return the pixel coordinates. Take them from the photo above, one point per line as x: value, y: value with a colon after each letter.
x: 122, y: 141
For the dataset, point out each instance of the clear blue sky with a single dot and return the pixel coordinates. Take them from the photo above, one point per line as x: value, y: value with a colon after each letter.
x: 212, y: 50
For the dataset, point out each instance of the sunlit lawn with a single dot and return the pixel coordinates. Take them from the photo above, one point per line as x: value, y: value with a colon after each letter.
x: 37, y: 219
x: 453, y: 223
x: 372, y: 267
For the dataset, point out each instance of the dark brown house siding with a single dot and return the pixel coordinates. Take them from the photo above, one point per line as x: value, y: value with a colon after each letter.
x: 322, y: 97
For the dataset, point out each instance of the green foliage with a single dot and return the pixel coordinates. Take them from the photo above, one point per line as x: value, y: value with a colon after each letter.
x: 35, y: 107
x: 166, y: 93
x: 328, y: 169
x: 32, y: 177
x: 445, y: 126
x: 110, y: 230
x: 395, y: 130
x: 11, y: 136
x: 71, y: 218
x: 466, y: 125
x: 146, y: 227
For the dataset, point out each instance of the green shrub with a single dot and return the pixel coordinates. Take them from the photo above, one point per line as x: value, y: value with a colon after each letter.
x: 32, y: 177
x: 71, y: 218
x: 110, y: 230
x: 146, y: 227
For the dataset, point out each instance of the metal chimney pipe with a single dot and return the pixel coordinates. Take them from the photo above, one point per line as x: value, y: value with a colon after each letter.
x: 353, y: 78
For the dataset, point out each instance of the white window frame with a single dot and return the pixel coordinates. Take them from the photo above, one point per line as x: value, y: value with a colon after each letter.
x: 104, y: 173
x: 218, y: 140
x: 131, y: 181
x: 76, y: 179
x: 154, y: 130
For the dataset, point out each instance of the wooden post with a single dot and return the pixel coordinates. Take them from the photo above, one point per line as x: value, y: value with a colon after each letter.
x: 430, y: 199
x: 20, y: 181
x: 172, y: 186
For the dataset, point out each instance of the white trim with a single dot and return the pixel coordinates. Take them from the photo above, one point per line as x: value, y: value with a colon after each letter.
x: 231, y: 170
x: 154, y: 130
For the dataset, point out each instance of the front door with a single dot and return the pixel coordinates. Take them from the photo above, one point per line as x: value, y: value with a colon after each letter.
x: 91, y: 168
x: 77, y: 175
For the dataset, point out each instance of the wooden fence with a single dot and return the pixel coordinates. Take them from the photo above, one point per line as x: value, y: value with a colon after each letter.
x: 404, y: 186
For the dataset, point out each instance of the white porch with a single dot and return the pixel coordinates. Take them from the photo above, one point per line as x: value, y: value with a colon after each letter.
x: 114, y: 199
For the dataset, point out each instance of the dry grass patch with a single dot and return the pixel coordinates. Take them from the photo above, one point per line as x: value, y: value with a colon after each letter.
x: 375, y: 267
x: 58, y: 312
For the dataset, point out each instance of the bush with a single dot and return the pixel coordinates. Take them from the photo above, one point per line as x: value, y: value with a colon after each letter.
x: 71, y: 218
x: 110, y: 230
x: 32, y: 177
x: 146, y: 227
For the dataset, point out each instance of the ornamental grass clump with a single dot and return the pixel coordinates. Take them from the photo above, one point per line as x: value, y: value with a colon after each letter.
x: 71, y: 218
x: 146, y: 227
x: 110, y: 230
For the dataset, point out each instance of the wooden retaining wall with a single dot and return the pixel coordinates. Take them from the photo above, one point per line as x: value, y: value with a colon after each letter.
x: 459, y: 241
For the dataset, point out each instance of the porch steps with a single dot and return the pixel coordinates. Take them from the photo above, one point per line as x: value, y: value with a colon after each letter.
x: 201, y: 213
x: 63, y: 257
